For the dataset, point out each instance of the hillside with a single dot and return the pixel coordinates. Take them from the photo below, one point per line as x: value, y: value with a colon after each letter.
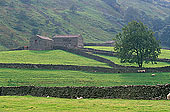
x: 95, y: 20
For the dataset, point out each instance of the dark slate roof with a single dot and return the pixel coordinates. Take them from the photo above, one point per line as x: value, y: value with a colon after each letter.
x: 46, y: 38
x: 66, y: 36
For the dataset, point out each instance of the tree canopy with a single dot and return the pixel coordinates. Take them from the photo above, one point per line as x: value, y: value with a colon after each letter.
x: 137, y: 44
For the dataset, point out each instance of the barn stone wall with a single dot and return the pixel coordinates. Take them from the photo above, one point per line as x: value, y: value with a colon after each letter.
x: 40, y: 44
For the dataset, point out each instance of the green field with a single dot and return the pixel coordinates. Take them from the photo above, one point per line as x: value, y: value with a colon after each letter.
x: 26, y: 77
x: 117, y: 61
x: 105, y: 48
x: 37, y: 104
x: 57, y: 57
x: 164, y: 53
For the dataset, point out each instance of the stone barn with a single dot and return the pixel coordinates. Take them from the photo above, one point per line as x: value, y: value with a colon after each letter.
x: 69, y: 41
x: 40, y: 43
x: 45, y: 43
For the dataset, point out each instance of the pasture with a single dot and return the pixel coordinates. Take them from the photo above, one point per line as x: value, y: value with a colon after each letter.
x: 56, y: 57
x: 164, y: 53
x: 27, y: 77
x: 105, y: 48
x: 117, y: 61
x: 43, y: 104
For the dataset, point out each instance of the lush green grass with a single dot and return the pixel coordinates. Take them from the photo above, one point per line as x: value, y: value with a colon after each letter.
x: 105, y: 48
x: 26, y: 77
x: 57, y: 57
x: 164, y: 53
x: 37, y: 104
x: 117, y: 61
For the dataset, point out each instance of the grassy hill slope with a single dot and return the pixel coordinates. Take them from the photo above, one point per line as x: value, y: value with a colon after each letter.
x: 56, y: 57
x: 95, y: 20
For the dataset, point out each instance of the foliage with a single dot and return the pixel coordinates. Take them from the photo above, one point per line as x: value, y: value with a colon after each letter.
x: 136, y: 44
x: 37, y: 104
x: 165, y: 35
x: 52, y: 78
x: 97, y: 21
x: 73, y: 9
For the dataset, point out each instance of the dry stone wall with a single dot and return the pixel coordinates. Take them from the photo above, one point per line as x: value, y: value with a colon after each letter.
x: 117, y: 92
x: 66, y: 67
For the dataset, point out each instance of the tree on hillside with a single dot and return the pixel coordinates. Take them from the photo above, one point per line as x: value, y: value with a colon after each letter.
x: 136, y: 44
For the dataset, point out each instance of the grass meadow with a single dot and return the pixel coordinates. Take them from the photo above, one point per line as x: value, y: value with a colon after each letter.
x: 26, y: 77
x: 43, y: 104
x: 57, y: 57
x: 164, y: 53
x: 105, y: 48
x: 61, y: 78
x: 117, y: 61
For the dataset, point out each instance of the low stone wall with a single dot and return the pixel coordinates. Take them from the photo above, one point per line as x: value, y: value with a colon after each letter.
x: 115, y: 67
x: 125, y: 69
x: 102, y: 52
x: 163, y: 60
x: 116, y: 92
x: 98, y: 44
x: 67, y: 67
x: 111, y: 53
x: 97, y: 58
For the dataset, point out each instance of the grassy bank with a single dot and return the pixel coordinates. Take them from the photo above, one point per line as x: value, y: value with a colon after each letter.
x: 36, y: 104
x: 57, y: 57
x: 23, y: 77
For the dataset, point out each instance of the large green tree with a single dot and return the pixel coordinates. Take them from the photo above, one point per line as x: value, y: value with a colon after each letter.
x: 137, y: 44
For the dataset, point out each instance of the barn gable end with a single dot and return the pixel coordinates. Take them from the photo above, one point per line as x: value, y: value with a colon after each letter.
x: 40, y: 43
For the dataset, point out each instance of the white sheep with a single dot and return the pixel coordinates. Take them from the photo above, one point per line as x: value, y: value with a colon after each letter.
x: 79, y: 97
x: 168, y: 96
x: 153, y: 75
x: 141, y: 71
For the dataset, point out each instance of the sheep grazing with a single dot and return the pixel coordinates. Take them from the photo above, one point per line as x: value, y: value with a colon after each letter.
x: 141, y: 71
x: 48, y: 96
x: 168, y: 96
x: 79, y: 97
x: 153, y: 75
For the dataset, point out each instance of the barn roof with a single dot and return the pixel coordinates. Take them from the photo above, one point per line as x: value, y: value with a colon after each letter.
x: 66, y: 36
x: 46, y: 38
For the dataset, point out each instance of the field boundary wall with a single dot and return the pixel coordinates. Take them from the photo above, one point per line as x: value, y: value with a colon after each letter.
x: 137, y: 92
